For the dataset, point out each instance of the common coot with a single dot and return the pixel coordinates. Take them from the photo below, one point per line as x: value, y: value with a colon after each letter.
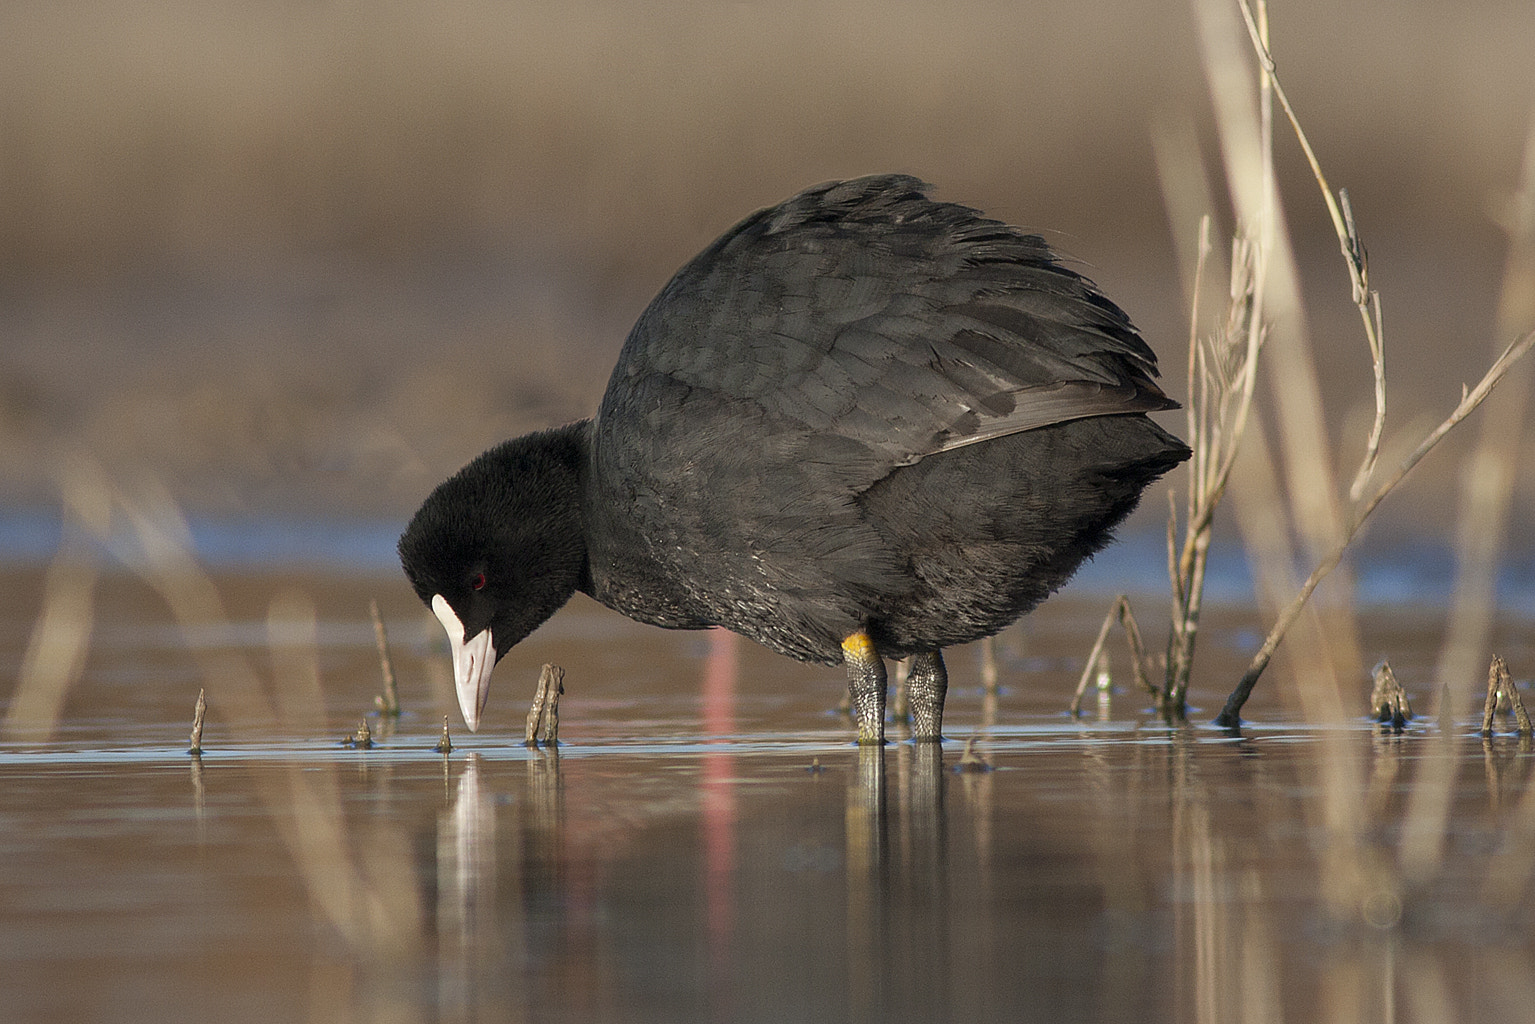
x: 862, y: 424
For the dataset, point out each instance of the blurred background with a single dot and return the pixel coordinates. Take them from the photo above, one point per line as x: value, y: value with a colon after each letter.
x: 302, y: 259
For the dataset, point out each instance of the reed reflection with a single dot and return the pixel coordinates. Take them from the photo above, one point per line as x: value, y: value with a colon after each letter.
x: 721, y: 667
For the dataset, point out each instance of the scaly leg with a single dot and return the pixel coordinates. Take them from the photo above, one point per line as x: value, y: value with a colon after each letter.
x: 866, y: 686
x: 926, y: 686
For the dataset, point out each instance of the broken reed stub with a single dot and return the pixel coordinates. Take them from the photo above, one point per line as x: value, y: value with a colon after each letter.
x: 1388, y: 701
x: 444, y: 745
x: 198, y: 712
x: 1503, y: 695
x: 543, y: 726
x: 362, y: 739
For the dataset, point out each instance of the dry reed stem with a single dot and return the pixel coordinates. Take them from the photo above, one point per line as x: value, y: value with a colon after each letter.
x: 1219, y: 393
x: 199, y: 711
x: 55, y: 657
x: 1388, y: 701
x: 1121, y: 612
x: 543, y: 724
x: 1221, y: 373
x: 360, y: 896
x: 1230, y: 714
x: 1354, y: 875
x: 1247, y: 142
x: 1496, y: 673
x: 1223, y: 370
x: 1221, y: 385
x: 56, y: 651
x: 1302, y: 456
x: 989, y: 672
x: 1489, y: 708
x: 1486, y: 496
x: 389, y: 703
x: 1503, y: 695
x: 1093, y: 656
x: 1186, y: 573
x: 1353, y: 249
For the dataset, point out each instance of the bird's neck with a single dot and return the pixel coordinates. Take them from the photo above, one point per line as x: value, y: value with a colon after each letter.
x: 537, y: 486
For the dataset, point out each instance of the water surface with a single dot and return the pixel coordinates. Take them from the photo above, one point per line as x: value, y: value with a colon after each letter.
x: 707, y: 844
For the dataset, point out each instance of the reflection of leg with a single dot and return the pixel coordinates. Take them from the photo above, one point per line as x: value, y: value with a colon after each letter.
x: 868, y: 890
x: 866, y: 686
x: 926, y: 686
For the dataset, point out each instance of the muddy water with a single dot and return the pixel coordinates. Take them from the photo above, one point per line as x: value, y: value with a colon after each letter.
x: 706, y: 844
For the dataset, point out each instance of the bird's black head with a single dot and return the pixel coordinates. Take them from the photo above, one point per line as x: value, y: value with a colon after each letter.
x: 497, y: 548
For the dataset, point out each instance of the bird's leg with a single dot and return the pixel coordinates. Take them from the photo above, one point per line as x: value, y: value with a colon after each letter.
x: 866, y: 686
x: 926, y: 685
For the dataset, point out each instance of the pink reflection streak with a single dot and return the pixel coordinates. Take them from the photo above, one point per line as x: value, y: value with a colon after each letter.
x: 719, y: 806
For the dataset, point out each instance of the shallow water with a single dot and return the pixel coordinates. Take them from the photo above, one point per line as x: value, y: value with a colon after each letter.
x: 706, y: 843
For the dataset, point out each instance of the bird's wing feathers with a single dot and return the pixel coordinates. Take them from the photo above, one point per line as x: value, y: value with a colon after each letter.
x: 816, y: 347
x: 864, y: 311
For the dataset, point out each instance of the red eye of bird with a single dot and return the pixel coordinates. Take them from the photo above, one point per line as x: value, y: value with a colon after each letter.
x: 478, y: 582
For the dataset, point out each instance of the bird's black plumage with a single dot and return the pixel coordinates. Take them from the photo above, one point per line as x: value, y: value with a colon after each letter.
x: 858, y: 413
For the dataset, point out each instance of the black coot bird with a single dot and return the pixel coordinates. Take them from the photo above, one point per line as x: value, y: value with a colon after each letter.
x: 862, y: 424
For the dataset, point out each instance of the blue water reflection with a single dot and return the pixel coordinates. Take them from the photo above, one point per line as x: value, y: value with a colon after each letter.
x: 1419, y: 572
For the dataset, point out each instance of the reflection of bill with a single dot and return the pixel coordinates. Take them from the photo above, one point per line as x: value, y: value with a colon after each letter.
x: 466, y: 888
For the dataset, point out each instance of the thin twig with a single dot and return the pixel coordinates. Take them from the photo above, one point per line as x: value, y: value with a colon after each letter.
x: 1354, y: 254
x: 1122, y: 612
x: 1197, y: 410
x: 1230, y: 716
x: 1092, y: 659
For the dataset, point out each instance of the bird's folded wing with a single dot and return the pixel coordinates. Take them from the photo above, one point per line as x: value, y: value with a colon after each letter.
x: 863, y: 312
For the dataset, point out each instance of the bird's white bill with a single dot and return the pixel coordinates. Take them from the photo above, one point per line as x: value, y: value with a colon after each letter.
x: 472, y: 661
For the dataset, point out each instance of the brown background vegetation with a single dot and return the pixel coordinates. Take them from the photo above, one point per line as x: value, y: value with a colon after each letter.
x: 312, y: 256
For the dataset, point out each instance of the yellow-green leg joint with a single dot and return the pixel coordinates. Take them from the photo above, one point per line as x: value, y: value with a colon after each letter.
x: 865, y: 686
x: 927, y: 684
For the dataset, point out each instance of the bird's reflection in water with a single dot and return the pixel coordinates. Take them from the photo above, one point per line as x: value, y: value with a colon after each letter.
x: 532, y: 908
x: 897, y: 915
x: 1106, y: 881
